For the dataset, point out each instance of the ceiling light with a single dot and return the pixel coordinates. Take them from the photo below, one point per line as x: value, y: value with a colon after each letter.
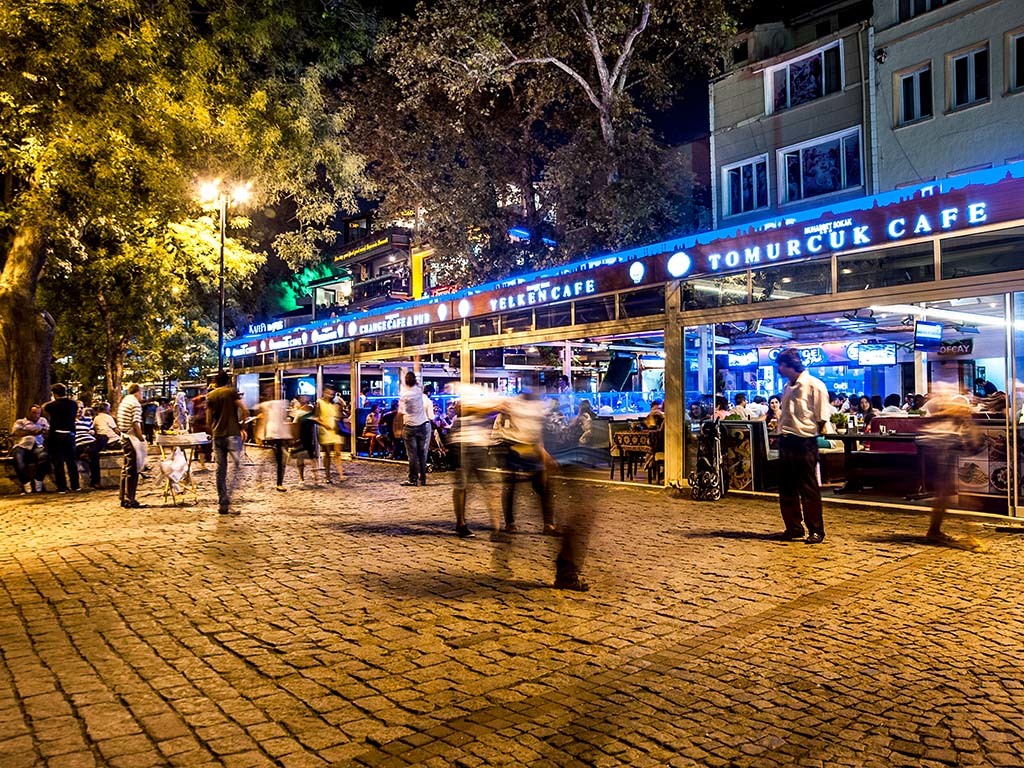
x: 775, y: 333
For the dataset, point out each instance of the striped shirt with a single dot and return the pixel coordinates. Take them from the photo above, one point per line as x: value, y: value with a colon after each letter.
x: 129, y: 413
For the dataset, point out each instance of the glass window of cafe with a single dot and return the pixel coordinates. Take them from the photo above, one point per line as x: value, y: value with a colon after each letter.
x: 614, y: 379
x: 887, y: 351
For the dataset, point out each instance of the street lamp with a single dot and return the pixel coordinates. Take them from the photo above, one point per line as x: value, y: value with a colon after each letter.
x: 211, y: 192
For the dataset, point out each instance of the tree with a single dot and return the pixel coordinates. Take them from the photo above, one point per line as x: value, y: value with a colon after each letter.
x: 110, y: 110
x: 536, y: 114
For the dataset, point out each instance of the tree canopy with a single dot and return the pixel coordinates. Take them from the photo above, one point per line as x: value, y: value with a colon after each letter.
x: 111, y: 110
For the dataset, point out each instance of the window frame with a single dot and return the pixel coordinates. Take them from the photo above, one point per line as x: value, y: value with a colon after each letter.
x: 780, y: 164
x: 769, y: 77
x: 933, y: 5
x: 726, y: 197
x: 969, y: 53
x: 1011, y: 55
x: 914, y: 72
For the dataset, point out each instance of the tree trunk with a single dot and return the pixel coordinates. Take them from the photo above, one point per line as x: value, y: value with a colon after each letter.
x: 608, y: 134
x: 116, y: 348
x: 26, y: 332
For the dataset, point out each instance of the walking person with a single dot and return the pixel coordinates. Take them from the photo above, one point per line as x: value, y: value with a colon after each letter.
x: 522, y: 439
x: 62, y: 413
x: 804, y: 409
x: 327, y: 413
x: 471, y: 434
x: 225, y: 413
x: 301, y: 414
x: 412, y: 405
x: 276, y: 429
x: 129, y: 424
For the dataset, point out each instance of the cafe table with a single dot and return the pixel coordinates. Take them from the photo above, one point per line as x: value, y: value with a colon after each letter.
x: 636, y: 448
x: 855, y: 474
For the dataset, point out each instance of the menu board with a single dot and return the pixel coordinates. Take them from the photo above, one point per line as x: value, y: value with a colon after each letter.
x: 985, y: 471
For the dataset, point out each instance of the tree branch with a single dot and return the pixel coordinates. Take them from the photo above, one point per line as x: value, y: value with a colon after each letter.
x: 587, y: 88
x: 627, y: 47
x: 595, y: 49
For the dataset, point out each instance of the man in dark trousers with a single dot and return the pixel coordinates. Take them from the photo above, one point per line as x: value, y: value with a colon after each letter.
x: 225, y: 414
x: 804, y: 411
x: 62, y: 412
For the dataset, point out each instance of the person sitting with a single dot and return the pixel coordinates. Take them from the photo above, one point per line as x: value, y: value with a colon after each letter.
x: 740, y: 407
x: 892, y: 406
x: 757, y: 409
x: 655, y: 419
x: 865, y: 411
x: 582, y: 424
x: 30, y: 460
x: 371, y: 428
x: 721, y: 407
x: 85, y: 446
x: 104, y: 429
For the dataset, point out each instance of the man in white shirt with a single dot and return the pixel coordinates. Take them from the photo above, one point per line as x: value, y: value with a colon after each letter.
x: 413, y: 404
x: 129, y: 423
x: 805, y: 410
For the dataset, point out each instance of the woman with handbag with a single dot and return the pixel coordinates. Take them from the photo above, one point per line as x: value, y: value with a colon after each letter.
x: 327, y: 415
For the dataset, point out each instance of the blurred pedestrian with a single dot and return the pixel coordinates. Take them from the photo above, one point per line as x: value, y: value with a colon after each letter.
x: 180, y: 419
x: 471, y: 434
x: 327, y: 413
x: 225, y: 415
x: 522, y: 449
x: 203, y: 452
x: 947, y: 437
x: 129, y: 424
x: 413, y: 405
x: 275, y: 428
x: 804, y: 409
x: 301, y: 414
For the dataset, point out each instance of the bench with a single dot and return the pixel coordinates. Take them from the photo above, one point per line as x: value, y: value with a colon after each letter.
x: 110, y: 473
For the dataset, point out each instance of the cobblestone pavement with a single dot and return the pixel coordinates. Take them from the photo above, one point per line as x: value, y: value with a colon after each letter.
x: 347, y: 625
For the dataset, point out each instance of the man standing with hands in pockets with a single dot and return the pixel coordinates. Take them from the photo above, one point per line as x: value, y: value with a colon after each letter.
x: 804, y: 411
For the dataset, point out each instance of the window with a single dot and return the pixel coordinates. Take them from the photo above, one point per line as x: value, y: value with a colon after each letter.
x: 1015, y: 54
x: 968, y: 78
x: 818, y: 167
x: 745, y: 186
x: 911, y: 8
x: 805, y: 79
x: 915, y: 95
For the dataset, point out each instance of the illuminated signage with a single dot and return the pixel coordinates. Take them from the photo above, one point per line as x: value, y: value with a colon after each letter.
x: 395, y: 321
x: 957, y: 347
x: 255, y: 329
x: 361, y: 249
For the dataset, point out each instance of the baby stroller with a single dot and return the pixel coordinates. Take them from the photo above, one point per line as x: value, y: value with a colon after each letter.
x: 708, y: 480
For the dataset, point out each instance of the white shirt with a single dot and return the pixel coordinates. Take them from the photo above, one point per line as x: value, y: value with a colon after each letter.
x: 104, y: 424
x: 804, y: 404
x: 411, y: 405
x: 525, y: 425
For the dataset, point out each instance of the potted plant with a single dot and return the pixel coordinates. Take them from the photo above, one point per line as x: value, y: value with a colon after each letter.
x: 839, y: 421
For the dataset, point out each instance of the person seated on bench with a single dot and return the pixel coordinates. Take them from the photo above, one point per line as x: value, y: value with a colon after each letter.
x: 30, y: 460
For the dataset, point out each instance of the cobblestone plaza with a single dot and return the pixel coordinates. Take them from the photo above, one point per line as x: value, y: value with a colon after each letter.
x: 348, y: 625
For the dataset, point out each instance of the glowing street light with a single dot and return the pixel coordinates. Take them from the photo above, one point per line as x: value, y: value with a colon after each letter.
x: 210, y: 192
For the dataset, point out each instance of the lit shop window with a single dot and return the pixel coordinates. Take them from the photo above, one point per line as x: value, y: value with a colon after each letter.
x: 745, y: 186
x: 821, y: 166
x: 805, y: 79
x: 968, y: 78
x: 915, y: 95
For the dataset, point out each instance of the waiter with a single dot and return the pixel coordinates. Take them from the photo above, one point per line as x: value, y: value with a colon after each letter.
x: 805, y: 408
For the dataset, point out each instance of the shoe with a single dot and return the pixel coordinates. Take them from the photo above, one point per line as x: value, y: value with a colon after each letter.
x: 26, y: 488
x: 62, y: 493
x: 814, y: 538
x: 409, y: 482
x: 464, y: 532
x: 423, y: 481
x: 224, y: 511
x: 39, y: 486
x: 575, y: 583
x: 509, y: 528
x: 940, y: 538
x: 132, y: 504
x: 280, y: 488
x: 794, y: 535
x: 235, y: 512
x: 552, y: 530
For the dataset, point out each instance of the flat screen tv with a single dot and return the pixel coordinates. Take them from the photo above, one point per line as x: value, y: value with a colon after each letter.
x: 745, y: 358
x: 927, y: 335
x: 877, y: 354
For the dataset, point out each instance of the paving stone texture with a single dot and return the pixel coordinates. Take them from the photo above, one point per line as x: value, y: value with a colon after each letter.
x: 347, y: 625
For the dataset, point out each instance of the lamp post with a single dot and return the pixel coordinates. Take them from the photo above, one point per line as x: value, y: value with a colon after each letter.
x: 211, y: 192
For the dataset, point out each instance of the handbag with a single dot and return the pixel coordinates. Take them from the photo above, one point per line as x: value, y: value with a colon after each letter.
x: 398, y: 426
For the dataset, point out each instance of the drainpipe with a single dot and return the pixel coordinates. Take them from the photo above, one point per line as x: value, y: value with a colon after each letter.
x: 711, y: 157
x: 867, y: 79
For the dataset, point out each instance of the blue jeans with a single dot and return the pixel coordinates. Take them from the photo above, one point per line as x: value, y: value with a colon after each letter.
x: 222, y: 448
x: 417, y: 445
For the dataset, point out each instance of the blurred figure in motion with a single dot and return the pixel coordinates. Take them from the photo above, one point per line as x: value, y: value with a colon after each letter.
x: 328, y: 414
x: 471, y: 436
x: 521, y: 438
x: 949, y: 436
x: 275, y: 428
